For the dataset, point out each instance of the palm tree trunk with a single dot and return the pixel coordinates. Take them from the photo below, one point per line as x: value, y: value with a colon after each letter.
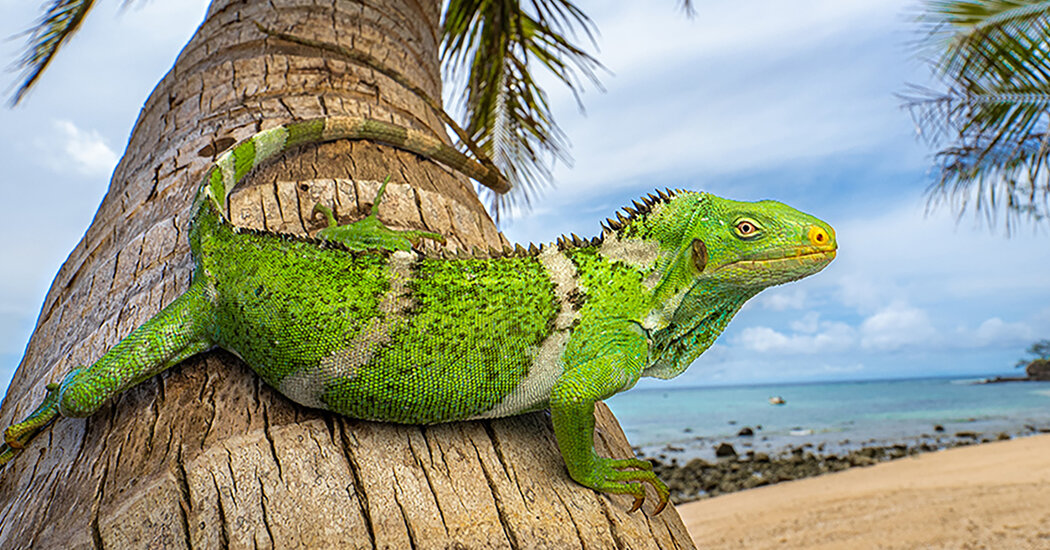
x: 206, y: 455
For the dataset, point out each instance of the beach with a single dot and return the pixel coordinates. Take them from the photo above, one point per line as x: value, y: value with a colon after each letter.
x: 994, y: 495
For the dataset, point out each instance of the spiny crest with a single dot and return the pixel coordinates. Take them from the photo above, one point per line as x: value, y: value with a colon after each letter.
x: 574, y: 241
x: 638, y: 210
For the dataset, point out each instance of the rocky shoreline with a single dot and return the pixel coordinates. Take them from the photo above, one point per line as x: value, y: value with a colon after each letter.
x: 699, y: 478
x: 1037, y: 370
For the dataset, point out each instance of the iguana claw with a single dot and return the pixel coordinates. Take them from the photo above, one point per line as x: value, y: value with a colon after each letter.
x: 609, y: 476
x: 659, y: 507
x: 638, y: 504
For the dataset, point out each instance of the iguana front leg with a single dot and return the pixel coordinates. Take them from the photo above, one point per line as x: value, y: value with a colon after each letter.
x: 370, y: 233
x: 179, y: 331
x: 616, y: 356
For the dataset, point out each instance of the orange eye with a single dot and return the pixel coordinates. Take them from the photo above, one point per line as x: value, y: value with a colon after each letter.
x: 745, y: 228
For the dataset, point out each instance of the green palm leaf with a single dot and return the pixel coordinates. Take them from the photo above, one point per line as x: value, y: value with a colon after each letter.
x: 489, y: 48
x: 60, y: 20
x: 995, y: 63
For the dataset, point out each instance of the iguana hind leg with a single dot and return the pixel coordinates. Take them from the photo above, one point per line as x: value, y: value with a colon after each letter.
x: 176, y: 333
x: 370, y: 233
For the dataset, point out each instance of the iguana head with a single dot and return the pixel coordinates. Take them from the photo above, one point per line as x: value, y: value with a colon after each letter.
x: 715, y: 254
x: 755, y: 244
x: 728, y: 245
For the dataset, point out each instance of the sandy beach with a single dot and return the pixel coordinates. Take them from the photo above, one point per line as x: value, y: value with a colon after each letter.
x: 994, y: 495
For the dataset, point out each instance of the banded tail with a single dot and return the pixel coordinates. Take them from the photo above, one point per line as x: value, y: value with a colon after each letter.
x: 227, y: 172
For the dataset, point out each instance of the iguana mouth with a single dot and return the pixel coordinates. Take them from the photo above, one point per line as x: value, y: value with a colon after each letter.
x: 807, y: 255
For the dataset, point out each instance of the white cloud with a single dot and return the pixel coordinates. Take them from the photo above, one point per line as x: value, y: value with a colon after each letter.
x: 995, y: 331
x: 85, y: 151
x: 812, y: 336
x: 896, y: 326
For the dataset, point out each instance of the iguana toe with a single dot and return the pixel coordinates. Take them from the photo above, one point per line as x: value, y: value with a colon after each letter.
x: 6, y: 454
x: 17, y: 435
x: 327, y: 213
x: 628, y: 476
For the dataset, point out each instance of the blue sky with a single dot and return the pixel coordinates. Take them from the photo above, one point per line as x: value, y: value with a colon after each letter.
x: 749, y: 100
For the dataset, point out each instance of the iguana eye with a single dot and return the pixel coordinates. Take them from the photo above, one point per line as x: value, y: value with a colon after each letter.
x: 746, y: 228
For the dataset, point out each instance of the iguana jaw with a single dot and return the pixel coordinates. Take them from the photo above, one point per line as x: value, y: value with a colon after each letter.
x: 805, y: 255
x: 775, y: 267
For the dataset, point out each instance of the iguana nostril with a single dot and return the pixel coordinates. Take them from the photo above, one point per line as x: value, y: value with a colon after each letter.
x: 818, y: 236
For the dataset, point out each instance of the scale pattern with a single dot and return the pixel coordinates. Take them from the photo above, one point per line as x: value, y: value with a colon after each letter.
x: 378, y: 336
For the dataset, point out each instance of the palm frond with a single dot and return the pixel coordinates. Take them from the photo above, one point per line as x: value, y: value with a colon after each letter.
x: 60, y: 21
x: 687, y: 8
x: 994, y: 113
x: 489, y: 49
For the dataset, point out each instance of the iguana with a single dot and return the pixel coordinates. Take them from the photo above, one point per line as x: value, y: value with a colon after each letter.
x: 395, y: 335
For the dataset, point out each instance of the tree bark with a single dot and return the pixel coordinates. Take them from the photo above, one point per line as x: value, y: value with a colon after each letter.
x: 206, y: 455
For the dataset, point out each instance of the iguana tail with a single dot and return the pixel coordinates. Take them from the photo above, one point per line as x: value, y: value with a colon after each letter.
x: 232, y: 165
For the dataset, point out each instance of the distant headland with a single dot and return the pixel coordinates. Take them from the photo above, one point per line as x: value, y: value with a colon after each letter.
x: 1037, y: 370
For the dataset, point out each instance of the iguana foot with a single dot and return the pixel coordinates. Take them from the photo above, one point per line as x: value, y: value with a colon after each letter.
x: 626, y: 476
x: 370, y: 233
x: 16, y: 436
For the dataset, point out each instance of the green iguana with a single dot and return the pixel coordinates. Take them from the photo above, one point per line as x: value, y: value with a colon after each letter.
x: 395, y: 335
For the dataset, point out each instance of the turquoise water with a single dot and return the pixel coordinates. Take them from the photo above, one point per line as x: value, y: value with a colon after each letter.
x: 841, y: 414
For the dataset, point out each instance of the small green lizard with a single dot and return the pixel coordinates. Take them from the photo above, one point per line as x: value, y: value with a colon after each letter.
x: 370, y: 328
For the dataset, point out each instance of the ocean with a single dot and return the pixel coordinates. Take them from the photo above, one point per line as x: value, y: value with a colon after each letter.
x: 685, y: 423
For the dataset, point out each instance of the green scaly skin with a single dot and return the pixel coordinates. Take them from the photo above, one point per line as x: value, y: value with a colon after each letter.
x: 389, y: 334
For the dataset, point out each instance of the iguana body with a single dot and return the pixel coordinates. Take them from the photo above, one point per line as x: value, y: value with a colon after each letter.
x: 394, y: 335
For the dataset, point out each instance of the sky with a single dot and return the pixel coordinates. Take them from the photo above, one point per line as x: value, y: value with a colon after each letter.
x: 749, y: 100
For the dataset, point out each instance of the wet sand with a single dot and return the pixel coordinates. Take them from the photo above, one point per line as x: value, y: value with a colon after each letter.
x: 994, y: 495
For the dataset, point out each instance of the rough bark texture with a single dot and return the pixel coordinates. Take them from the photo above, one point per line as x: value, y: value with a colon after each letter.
x: 206, y: 455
